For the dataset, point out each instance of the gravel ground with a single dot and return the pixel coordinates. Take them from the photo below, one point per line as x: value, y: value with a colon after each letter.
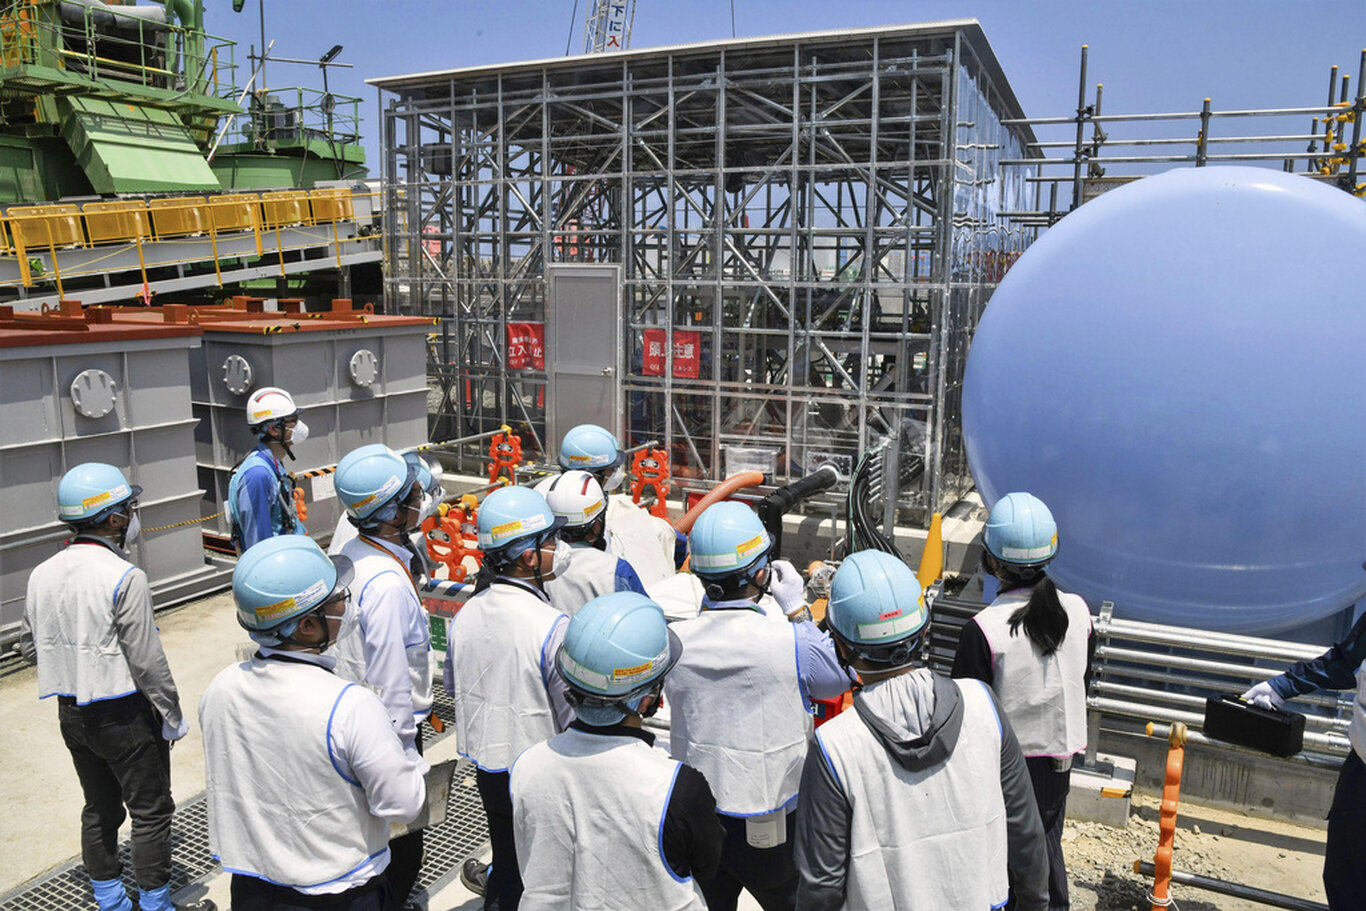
x: 1265, y: 853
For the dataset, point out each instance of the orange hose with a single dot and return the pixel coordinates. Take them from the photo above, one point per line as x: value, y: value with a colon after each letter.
x: 727, y: 487
x: 1171, y: 791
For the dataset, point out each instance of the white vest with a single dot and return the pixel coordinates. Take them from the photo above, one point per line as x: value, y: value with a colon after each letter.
x: 70, y: 608
x: 1356, y: 729
x: 591, y: 573
x: 933, y: 838
x: 643, y: 540
x: 1043, y: 696
x: 737, y: 713
x: 496, y: 645
x: 350, y: 652
x: 588, y: 814
x: 681, y: 595
x: 278, y: 807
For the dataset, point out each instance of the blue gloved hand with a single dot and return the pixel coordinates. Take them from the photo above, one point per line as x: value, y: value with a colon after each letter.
x: 1263, y: 696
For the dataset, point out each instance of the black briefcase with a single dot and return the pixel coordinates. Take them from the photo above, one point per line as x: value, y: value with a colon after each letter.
x: 1232, y: 720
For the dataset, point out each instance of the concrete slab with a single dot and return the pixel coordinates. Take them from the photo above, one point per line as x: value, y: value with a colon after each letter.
x: 1103, y: 793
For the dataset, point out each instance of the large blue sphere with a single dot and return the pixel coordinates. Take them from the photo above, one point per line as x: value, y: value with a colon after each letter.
x: 1178, y: 369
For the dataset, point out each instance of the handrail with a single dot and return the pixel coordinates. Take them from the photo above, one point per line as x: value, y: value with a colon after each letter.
x: 1161, y: 673
x: 115, y: 224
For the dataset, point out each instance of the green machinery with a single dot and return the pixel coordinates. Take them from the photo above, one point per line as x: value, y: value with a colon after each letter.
x: 118, y: 99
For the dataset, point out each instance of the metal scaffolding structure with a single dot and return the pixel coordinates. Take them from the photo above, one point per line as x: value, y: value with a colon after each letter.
x: 1083, y: 155
x: 807, y: 227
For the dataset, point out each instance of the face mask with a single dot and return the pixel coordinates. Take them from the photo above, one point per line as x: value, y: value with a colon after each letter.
x: 614, y: 480
x: 561, y: 562
x: 132, y: 530
x: 429, y: 504
x: 300, y: 434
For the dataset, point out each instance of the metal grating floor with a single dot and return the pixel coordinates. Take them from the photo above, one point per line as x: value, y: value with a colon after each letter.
x: 462, y: 834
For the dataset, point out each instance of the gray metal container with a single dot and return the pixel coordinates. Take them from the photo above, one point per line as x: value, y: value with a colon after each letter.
x: 354, y: 382
x: 130, y: 408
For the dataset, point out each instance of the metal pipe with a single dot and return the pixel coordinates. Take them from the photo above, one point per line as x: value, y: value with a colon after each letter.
x: 1236, y: 890
x: 1159, y: 730
x: 1182, y: 115
x: 1202, y: 145
x: 1354, y: 151
x: 1208, y: 640
x: 1081, y: 127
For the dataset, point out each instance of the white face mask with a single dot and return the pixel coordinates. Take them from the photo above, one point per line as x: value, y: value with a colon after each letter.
x: 430, y: 502
x: 614, y: 479
x: 300, y: 433
x: 131, y: 533
x: 561, y: 562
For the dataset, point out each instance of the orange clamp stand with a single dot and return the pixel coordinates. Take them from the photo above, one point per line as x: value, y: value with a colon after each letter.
x: 455, y: 539
x: 1171, y: 793
x: 505, y: 449
x: 651, y: 468
x: 300, y: 507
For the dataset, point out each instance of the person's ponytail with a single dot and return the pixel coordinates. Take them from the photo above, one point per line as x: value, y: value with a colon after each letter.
x: 1043, y: 617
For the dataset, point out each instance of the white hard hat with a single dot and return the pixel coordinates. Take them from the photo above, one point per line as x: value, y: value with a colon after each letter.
x: 577, y: 497
x: 269, y: 403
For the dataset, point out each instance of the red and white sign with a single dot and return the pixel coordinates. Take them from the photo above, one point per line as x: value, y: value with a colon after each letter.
x: 687, y: 353
x: 526, y: 346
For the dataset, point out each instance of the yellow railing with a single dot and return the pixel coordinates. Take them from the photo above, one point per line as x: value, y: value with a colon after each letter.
x: 116, y: 224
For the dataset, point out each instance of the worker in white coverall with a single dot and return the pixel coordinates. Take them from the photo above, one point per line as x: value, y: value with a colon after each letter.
x: 650, y: 544
x: 382, y: 493
x: 1342, y: 667
x: 88, y: 624
x: 919, y: 798
x: 499, y: 672
x: 1033, y: 647
x: 576, y: 497
x: 303, y: 769
x: 260, y: 501
x: 601, y: 819
x: 739, y: 702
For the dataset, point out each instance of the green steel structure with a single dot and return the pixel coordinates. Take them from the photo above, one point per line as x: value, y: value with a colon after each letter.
x: 114, y: 99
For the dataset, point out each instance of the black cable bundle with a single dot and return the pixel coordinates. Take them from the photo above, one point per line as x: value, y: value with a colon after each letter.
x: 863, y: 530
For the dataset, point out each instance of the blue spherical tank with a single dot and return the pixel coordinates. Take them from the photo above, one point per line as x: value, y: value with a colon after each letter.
x: 1178, y: 369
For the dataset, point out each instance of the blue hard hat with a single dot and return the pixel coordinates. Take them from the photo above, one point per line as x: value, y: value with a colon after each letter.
x: 91, y: 491
x: 616, y: 649
x: 280, y: 579
x: 727, y: 539
x: 513, y: 519
x: 371, y: 478
x: 428, y: 471
x: 1021, y: 531
x: 590, y: 448
x: 875, y: 600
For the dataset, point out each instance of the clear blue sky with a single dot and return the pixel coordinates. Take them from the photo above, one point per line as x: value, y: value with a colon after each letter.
x: 1162, y: 55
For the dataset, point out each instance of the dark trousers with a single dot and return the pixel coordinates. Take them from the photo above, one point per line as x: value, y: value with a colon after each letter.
x: 769, y: 874
x: 405, y: 858
x: 1050, y: 794
x: 252, y: 894
x: 1344, y: 861
x: 504, y: 891
x: 121, y: 760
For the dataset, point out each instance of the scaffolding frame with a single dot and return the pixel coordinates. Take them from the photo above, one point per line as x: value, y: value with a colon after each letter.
x: 818, y: 215
x: 1331, y: 150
